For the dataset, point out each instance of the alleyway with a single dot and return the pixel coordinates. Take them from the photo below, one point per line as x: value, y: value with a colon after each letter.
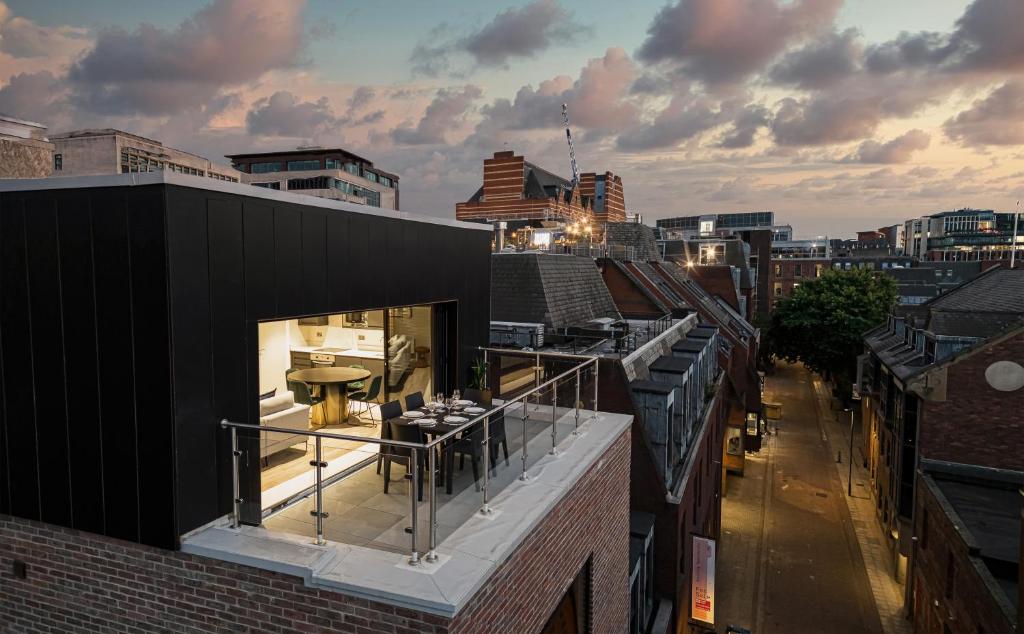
x: 790, y: 560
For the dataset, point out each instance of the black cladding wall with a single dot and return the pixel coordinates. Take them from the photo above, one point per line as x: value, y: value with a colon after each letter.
x: 128, y: 329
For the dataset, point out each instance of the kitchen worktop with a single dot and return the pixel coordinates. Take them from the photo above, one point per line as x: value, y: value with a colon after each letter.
x: 351, y: 352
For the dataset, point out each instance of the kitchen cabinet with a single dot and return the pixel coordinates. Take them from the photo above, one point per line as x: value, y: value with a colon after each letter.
x: 300, y: 360
x: 320, y: 320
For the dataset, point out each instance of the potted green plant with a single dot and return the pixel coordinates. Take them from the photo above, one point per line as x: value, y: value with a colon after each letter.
x: 478, y: 378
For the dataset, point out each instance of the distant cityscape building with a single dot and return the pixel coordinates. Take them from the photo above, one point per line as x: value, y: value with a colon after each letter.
x: 95, y: 152
x: 796, y: 261
x: 880, y: 243
x: 964, y: 234
x: 723, y: 224
x: 25, y: 152
x: 521, y: 193
x: 331, y: 173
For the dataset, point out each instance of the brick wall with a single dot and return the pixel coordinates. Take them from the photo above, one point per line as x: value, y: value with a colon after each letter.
x: 976, y: 423
x: 80, y: 582
x: 972, y: 608
x: 592, y: 522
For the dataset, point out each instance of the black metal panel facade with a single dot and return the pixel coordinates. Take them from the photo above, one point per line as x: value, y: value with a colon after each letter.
x: 128, y: 329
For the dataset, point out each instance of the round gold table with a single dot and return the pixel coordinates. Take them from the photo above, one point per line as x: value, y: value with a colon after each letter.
x: 332, y: 382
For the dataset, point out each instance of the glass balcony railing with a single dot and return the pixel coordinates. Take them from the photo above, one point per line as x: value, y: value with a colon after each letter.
x: 402, y: 495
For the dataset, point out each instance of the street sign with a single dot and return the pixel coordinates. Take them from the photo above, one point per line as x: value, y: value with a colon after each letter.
x: 702, y: 581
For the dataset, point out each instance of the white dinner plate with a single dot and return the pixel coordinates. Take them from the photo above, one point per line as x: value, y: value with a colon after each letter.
x: 475, y: 410
x: 455, y: 419
x: 463, y: 402
x: 413, y: 414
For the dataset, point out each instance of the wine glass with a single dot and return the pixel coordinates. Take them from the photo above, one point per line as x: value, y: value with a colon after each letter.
x: 439, y: 399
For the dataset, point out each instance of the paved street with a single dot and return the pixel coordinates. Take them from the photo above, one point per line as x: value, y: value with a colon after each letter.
x: 790, y: 559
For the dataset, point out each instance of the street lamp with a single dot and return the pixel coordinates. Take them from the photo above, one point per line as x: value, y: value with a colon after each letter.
x: 849, y: 458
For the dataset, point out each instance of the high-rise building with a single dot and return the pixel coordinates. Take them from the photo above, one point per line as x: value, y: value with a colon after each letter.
x: 323, y: 172
x: 95, y: 152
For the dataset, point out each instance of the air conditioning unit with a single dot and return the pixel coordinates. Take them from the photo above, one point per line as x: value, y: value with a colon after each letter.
x: 517, y: 334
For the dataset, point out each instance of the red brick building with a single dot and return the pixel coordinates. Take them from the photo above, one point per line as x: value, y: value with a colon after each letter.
x: 943, y: 381
x: 789, y: 274
x: 516, y: 190
x: 966, y: 562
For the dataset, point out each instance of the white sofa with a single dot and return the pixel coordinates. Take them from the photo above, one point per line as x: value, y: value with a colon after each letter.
x: 401, y: 356
x: 282, y: 411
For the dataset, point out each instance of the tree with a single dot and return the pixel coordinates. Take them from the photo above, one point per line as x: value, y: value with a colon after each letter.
x: 823, y: 323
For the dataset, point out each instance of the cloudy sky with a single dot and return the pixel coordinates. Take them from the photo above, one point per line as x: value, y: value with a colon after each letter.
x: 838, y: 115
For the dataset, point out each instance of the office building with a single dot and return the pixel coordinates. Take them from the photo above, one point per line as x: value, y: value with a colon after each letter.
x: 331, y: 173
x: 96, y: 152
x: 962, y: 235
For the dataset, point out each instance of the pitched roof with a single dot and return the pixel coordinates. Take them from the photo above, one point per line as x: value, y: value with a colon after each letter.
x: 555, y: 290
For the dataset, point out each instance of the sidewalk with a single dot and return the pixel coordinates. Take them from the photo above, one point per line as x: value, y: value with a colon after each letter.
x: 887, y: 591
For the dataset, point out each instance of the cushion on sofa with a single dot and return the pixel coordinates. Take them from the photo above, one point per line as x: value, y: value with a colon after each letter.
x: 276, y: 404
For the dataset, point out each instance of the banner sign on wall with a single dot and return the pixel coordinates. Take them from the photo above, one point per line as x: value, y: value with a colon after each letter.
x: 702, y: 580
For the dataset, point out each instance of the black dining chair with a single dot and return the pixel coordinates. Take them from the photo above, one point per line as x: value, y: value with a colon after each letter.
x: 471, y: 444
x: 368, y: 397
x: 413, y: 401
x: 302, y: 393
x: 389, y: 410
x: 496, y: 431
x: 405, y: 433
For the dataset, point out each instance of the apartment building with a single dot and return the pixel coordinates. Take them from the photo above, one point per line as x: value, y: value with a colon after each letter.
x: 520, y: 193
x: 331, y: 173
x: 25, y: 152
x: 96, y: 152
x: 942, y: 380
x: 962, y: 235
x: 155, y: 484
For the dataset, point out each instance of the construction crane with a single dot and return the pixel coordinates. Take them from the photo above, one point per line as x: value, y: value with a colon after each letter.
x: 572, y: 151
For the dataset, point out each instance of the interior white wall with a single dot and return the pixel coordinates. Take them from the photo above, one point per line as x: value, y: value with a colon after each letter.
x: 275, y: 354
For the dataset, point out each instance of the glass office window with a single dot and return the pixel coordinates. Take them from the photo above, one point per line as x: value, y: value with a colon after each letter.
x: 372, y: 197
x: 334, y: 164
x: 370, y: 176
x: 352, y: 168
x: 263, y: 168
x: 310, y: 164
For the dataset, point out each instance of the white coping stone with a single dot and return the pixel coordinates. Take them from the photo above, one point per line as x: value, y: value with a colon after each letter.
x: 212, y: 184
x: 467, y: 559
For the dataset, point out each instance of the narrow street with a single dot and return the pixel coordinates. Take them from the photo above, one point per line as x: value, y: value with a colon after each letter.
x: 790, y: 559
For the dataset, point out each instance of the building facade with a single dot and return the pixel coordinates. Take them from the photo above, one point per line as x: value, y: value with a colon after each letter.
x: 25, y: 152
x: 334, y: 173
x: 932, y: 388
x: 97, y: 152
x: 149, y: 506
x: 962, y: 235
x: 517, y: 191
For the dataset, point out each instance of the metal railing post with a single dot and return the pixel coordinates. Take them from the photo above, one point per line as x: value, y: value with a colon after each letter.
x: 319, y: 514
x: 576, y: 427
x: 526, y: 418
x: 486, y: 508
x: 414, y: 558
x: 236, y: 515
x: 554, y: 416
x: 432, y: 465
x: 595, y: 387
x: 536, y: 371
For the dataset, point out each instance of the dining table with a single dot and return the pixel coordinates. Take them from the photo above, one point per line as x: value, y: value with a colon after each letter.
x: 435, y: 430
x: 333, y: 387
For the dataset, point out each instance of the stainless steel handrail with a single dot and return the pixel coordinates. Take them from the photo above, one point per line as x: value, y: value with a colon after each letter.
x: 414, y: 448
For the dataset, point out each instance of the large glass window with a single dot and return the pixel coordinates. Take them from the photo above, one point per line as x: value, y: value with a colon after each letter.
x: 263, y: 168
x: 370, y: 176
x: 334, y: 164
x: 309, y: 164
x: 372, y: 197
